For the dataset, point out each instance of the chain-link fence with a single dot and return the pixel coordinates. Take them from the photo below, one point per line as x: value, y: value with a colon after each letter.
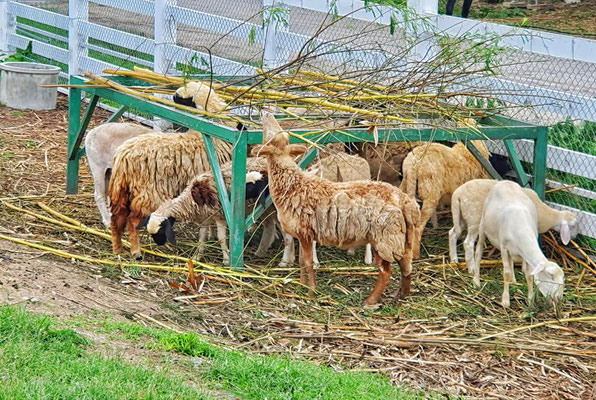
x: 231, y: 37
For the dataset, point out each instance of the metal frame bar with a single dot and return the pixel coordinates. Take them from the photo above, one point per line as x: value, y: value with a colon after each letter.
x: 233, y: 203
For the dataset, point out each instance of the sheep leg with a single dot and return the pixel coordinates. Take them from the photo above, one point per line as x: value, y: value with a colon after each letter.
x: 405, y: 266
x: 428, y: 208
x: 99, y: 194
x: 478, y: 256
x: 212, y: 233
x: 434, y: 220
x: 303, y: 279
x: 289, y: 255
x: 453, y: 246
x: 529, y: 282
x: 507, y: 277
x: 469, y: 242
x: 306, y: 247
x: 267, y: 237
x: 223, y: 242
x: 315, y: 259
x: 368, y: 257
x: 203, y: 232
x: 133, y: 236
x: 117, y: 226
x: 382, y: 279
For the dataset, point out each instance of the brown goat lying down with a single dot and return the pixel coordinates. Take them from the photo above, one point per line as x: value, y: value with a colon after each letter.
x: 345, y: 215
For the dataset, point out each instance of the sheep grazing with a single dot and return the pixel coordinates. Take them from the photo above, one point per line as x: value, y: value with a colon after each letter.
x: 336, y: 167
x: 100, y: 145
x: 466, y: 208
x: 150, y: 169
x: 199, y: 202
x: 434, y: 171
x: 199, y: 95
x: 509, y: 220
x: 386, y: 159
x: 346, y: 214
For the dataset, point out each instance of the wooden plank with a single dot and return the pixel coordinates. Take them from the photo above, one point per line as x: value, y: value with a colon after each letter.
x: 74, y: 122
x: 558, y: 158
x: 38, y: 14
x: 586, y: 222
x: 515, y: 163
x: 73, y: 149
x: 238, y: 201
x: 220, y: 184
x: 117, y: 114
x: 539, y: 160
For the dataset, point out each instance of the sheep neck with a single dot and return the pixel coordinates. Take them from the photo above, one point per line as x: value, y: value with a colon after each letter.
x: 532, y: 254
x: 285, y: 177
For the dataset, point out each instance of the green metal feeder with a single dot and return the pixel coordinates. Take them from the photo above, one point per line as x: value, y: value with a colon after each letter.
x: 494, y: 127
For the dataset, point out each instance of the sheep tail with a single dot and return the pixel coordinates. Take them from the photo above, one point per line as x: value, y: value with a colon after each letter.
x: 413, y: 229
x: 456, y: 215
x: 408, y: 184
x: 203, y: 194
x: 118, y: 189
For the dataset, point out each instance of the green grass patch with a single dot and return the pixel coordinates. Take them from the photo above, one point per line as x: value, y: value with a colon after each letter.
x: 42, y: 362
x: 258, y: 377
x: 42, y: 26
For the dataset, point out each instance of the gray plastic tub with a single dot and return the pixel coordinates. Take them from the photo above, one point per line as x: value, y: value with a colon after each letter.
x: 19, y: 85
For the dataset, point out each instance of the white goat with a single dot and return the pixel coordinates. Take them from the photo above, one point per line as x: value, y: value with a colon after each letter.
x: 510, y: 222
x: 100, y: 145
x: 466, y: 209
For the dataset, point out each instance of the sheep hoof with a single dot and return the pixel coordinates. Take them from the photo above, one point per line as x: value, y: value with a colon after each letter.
x: 138, y: 257
x: 106, y: 224
x: 311, y: 293
x: 260, y: 253
x: 370, y: 301
x: 476, y: 282
x: 282, y: 264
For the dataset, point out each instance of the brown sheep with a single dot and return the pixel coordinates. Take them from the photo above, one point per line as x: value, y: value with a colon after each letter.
x: 344, y: 214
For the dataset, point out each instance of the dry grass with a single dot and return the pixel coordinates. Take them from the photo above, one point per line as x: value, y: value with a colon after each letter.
x: 445, y: 336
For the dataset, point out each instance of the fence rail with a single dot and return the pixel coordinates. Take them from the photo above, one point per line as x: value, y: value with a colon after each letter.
x: 160, y: 35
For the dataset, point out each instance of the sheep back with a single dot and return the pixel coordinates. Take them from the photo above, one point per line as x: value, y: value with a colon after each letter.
x: 149, y: 169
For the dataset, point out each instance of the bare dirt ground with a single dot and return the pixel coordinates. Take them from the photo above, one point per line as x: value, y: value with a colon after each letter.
x: 446, y: 336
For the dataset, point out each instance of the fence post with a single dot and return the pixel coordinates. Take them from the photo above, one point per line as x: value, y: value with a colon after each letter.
x: 7, y: 25
x: 78, y: 10
x: 275, y: 20
x: 424, y: 7
x: 164, y: 33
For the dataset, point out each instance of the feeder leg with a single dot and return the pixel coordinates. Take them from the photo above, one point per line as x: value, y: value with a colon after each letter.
x: 540, y: 147
x: 74, y: 123
x: 238, y: 190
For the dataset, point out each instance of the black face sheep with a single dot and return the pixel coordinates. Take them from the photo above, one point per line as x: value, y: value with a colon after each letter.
x: 199, y: 202
x: 101, y: 143
x: 339, y: 214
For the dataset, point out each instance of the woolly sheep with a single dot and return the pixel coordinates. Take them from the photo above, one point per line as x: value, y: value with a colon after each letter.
x: 153, y: 168
x: 199, y: 202
x: 101, y: 143
x: 336, y: 167
x: 509, y: 220
x: 339, y: 214
x: 434, y: 171
x: 466, y: 209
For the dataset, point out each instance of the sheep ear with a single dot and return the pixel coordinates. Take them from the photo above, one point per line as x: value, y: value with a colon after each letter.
x: 538, y: 269
x: 565, y: 232
x: 261, y: 150
x: 296, y: 149
x: 143, y: 223
x: 169, y: 228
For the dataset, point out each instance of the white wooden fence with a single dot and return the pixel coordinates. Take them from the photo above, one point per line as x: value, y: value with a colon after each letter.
x: 75, y: 45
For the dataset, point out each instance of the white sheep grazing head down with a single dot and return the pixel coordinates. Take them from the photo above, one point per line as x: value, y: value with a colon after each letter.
x: 549, y: 278
x: 277, y: 141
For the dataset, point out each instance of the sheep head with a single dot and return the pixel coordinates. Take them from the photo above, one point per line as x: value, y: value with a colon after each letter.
x: 198, y: 95
x: 277, y: 141
x: 550, y: 280
x: 161, y: 228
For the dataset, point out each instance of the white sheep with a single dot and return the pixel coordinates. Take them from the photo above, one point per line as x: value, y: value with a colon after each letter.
x: 336, y: 167
x: 433, y: 172
x: 345, y: 214
x: 466, y: 209
x: 199, y: 202
x: 199, y: 95
x: 510, y: 222
x: 100, y: 145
